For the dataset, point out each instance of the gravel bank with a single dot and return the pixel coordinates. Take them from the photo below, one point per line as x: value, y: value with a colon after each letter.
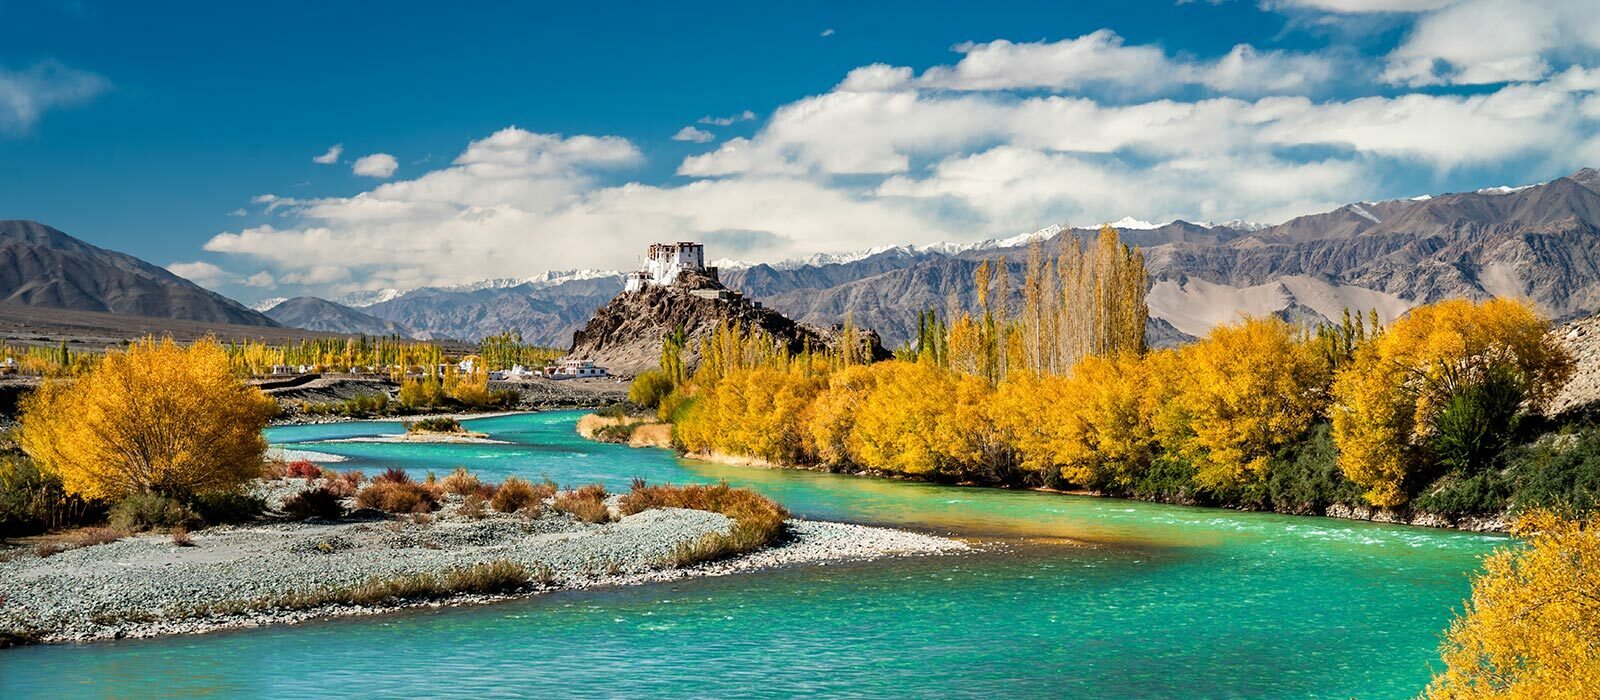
x: 147, y: 586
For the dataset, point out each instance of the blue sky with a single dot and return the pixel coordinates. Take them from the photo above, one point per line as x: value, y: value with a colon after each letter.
x: 161, y: 129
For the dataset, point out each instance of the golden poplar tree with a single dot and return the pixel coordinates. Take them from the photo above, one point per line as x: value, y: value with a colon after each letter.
x: 155, y: 417
x: 1532, y: 627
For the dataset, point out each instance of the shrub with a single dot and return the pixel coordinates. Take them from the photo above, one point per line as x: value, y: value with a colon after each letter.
x: 1307, y: 479
x: 612, y: 411
x: 204, y: 435
x: 181, y: 537
x: 274, y: 468
x: 303, y: 469
x: 396, y: 497
x: 649, y: 388
x: 314, y: 503
x: 346, y: 484
x: 392, y: 475
x: 1558, y: 471
x: 421, y: 393
x: 435, y: 425
x: 758, y: 521
x: 226, y: 507
x: 1475, y: 426
x: 34, y: 501
x: 460, y: 482
x: 150, y: 511
x: 516, y: 495
x: 473, y: 507
x: 587, y: 504
x: 1466, y: 494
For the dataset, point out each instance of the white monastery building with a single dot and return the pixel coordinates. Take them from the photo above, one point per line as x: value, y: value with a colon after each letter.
x: 666, y: 261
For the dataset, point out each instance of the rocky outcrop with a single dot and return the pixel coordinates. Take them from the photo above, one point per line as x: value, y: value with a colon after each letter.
x: 625, y: 335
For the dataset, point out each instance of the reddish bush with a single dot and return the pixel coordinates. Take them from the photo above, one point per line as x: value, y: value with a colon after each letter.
x: 392, y: 475
x: 302, y: 469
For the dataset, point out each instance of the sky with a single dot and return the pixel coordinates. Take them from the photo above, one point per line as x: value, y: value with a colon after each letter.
x: 330, y: 147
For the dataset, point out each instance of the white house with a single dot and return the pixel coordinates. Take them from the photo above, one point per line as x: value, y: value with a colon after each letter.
x: 577, y: 369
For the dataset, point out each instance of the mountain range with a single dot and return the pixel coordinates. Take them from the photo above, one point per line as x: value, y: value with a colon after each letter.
x: 1538, y: 242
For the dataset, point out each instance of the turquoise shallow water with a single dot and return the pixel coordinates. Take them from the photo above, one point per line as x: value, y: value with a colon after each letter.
x: 1078, y: 597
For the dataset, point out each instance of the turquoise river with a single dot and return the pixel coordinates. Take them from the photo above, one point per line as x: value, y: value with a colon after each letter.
x: 1067, y: 597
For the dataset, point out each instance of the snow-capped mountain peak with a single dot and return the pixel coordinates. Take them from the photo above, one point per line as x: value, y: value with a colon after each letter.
x: 268, y: 303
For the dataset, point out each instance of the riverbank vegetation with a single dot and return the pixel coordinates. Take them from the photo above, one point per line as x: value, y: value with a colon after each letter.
x: 1438, y: 412
x: 1530, y: 628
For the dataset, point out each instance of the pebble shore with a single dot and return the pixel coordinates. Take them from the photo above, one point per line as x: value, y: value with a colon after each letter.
x: 146, y: 586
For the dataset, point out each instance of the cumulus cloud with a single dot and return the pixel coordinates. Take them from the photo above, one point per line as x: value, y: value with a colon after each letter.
x: 694, y: 135
x: 378, y: 165
x: 28, y: 93
x: 330, y: 156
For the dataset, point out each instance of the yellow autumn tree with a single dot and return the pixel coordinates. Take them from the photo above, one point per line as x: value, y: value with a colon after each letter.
x: 832, y: 415
x: 155, y: 417
x: 1247, y: 390
x: 1386, y: 399
x: 1532, y: 627
x: 894, y: 427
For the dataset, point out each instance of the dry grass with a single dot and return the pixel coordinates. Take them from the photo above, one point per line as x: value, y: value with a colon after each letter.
x: 397, y: 497
x: 490, y: 578
x: 461, y: 482
x: 587, y: 504
x: 757, y: 520
x: 181, y: 537
x: 346, y: 484
x: 78, y: 539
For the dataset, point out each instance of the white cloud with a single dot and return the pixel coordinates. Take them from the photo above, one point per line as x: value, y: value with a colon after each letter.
x: 212, y: 276
x: 744, y: 116
x: 28, y: 93
x: 694, y: 135
x: 1103, y: 59
x: 378, y: 165
x: 827, y: 32
x: 331, y: 156
x: 1478, y: 42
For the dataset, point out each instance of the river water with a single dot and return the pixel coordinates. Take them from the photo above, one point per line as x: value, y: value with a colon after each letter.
x: 1068, y: 597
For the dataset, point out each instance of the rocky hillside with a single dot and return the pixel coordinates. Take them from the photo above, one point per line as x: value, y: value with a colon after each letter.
x: 316, y: 314
x: 43, y: 267
x: 625, y: 335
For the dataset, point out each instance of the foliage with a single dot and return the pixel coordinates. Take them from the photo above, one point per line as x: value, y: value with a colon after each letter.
x: 460, y: 482
x: 650, y: 388
x: 1248, y: 390
x: 517, y: 495
x: 758, y: 521
x: 302, y: 469
x: 1392, y: 392
x: 226, y: 507
x: 34, y: 501
x: 421, y: 392
x: 1559, y: 471
x: 195, y: 427
x: 150, y: 511
x: 1305, y: 477
x: 506, y: 350
x: 319, y: 502
x: 587, y: 503
x: 397, y: 497
x: 1530, y: 627
x: 441, y: 424
x: 1475, y: 426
